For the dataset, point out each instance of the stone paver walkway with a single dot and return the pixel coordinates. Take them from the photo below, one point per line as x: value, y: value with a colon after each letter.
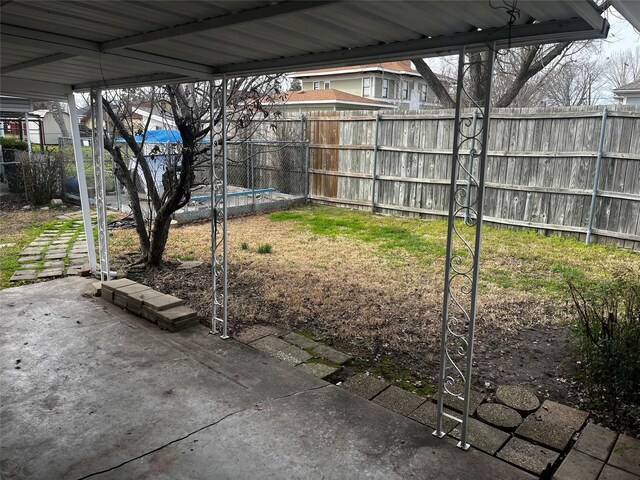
x: 514, y: 427
x: 58, y: 251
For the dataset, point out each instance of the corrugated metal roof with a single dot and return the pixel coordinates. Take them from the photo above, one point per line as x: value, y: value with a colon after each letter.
x: 50, y: 47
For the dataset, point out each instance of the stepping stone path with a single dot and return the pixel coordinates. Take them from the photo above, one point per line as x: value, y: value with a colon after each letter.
x: 514, y: 427
x: 295, y: 349
x: 54, y: 253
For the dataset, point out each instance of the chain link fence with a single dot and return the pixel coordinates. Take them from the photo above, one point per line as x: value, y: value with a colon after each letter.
x: 262, y: 176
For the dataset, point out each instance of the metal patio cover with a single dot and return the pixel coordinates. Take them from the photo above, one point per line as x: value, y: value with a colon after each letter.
x: 49, y: 48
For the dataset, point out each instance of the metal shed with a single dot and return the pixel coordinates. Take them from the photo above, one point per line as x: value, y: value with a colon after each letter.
x: 52, y: 49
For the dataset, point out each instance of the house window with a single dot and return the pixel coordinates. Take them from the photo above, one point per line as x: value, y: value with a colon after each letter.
x: 327, y: 85
x: 405, y: 90
x: 366, y: 87
x: 385, y: 88
x: 316, y: 85
x: 423, y: 93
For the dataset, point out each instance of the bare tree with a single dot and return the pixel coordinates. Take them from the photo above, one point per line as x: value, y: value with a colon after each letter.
x: 250, y: 103
x: 623, y: 67
x: 575, y: 83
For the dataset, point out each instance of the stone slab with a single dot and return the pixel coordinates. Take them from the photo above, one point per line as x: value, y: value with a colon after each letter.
x: 111, y: 285
x: 457, y: 404
x: 29, y: 266
x: 482, y: 436
x: 34, y: 244
x: 613, y: 473
x: 180, y: 325
x: 73, y: 270
x: 331, y: 354
x: 135, y: 300
x: 319, y: 370
x: 145, y: 312
x: 528, y: 456
x: 517, y: 397
x: 130, y: 289
x: 255, y: 332
x: 366, y: 386
x: 399, y: 400
x: 552, y: 425
x: 427, y: 414
x: 292, y: 355
x: 499, y: 416
x: 55, y: 256
x: 162, y: 302
x: 579, y: 466
x: 300, y: 340
x: 176, y: 314
x: 50, y: 272
x: 626, y: 455
x: 596, y: 441
x: 270, y: 344
x: 29, y: 259
x: 53, y: 264
x: 189, y: 264
x: 22, y: 275
x: 32, y: 251
x: 97, y: 288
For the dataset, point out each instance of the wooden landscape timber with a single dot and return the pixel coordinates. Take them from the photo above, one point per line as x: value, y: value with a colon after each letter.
x: 540, y: 166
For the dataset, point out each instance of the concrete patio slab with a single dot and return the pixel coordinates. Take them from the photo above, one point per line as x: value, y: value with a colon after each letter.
x: 579, y: 466
x: 300, y: 340
x: 626, y: 454
x: 399, y: 400
x: 596, y: 441
x: 103, y: 393
x: 533, y: 458
x: 319, y: 370
x: 613, y: 473
x: 552, y: 425
x: 482, y: 436
x: 256, y: 332
x: 366, y: 386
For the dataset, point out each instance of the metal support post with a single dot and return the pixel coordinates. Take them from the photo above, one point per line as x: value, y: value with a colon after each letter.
x: 99, y: 173
x: 253, y: 177
x: 26, y: 126
x: 463, y: 255
x: 374, y: 165
x: 596, y: 176
x: 472, y: 154
x: 219, y: 221
x: 82, y: 181
x: 305, y: 145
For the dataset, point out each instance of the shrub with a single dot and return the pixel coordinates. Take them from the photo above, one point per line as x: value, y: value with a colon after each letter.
x: 264, y: 248
x: 244, y: 246
x: 13, y: 143
x: 42, y: 177
x: 607, y: 340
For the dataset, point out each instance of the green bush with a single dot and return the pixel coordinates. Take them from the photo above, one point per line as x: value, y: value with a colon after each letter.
x: 244, y: 246
x: 606, y: 338
x: 13, y: 143
x: 264, y: 248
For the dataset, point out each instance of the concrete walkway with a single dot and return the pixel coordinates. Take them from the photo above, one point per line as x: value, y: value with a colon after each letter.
x: 91, y: 391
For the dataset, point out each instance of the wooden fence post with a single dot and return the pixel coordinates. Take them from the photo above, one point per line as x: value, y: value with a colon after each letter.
x: 596, y: 176
x: 375, y: 163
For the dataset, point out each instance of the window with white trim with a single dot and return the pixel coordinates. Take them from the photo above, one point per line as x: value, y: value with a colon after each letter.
x: 327, y: 85
x: 405, y: 89
x: 385, y: 88
x: 316, y: 85
x: 366, y: 87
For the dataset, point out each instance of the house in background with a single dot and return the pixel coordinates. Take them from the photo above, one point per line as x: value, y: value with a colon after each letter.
x: 43, y: 128
x: 397, y: 84
x: 139, y: 115
x: 328, y: 99
x: 628, y: 94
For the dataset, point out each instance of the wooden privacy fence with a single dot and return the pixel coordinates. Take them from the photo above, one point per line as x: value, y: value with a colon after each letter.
x: 541, y: 166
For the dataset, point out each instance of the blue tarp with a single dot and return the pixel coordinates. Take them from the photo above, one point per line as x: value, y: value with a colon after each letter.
x: 161, y: 136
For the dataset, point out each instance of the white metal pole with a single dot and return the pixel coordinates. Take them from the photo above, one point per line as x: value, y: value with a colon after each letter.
x: 26, y: 126
x: 214, y: 220
x: 225, y: 333
x: 82, y: 181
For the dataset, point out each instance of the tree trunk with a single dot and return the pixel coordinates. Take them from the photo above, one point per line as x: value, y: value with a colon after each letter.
x: 434, y: 83
x: 58, y: 116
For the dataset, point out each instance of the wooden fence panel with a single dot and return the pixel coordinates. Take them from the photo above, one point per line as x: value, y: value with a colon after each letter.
x: 540, y: 166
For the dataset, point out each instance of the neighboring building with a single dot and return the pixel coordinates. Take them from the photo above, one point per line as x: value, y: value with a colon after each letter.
x: 628, y: 94
x: 328, y: 99
x: 139, y: 117
x: 43, y: 128
x: 395, y: 83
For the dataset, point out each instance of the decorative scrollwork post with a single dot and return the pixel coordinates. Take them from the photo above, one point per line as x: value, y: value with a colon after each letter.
x: 99, y: 175
x: 219, y: 280
x: 466, y: 198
